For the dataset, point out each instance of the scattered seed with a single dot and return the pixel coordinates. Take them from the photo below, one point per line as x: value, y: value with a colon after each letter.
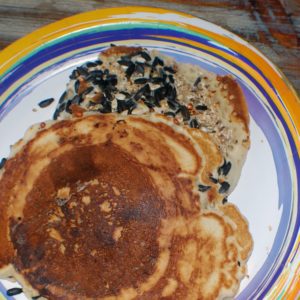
x: 212, y: 179
x: 197, y: 81
x: 106, y: 106
x: 170, y: 114
x: 225, y: 200
x: 225, y: 168
x: 157, y: 61
x: 76, y: 100
x: 160, y: 93
x: 87, y: 91
x: 123, y: 62
x: 145, y: 55
x: 69, y: 103
x: 76, y: 86
x: 121, y: 106
x: 203, y: 188
x: 239, y: 263
x: 62, y: 97
x: 130, y: 70
x: 2, y: 163
x: 224, y: 187
x: 170, y: 70
x: 45, y: 102
x: 74, y: 74
x: 201, y: 107
x: 185, y: 113
x: 156, y: 80
x: 194, y: 123
x: 139, y: 68
x: 143, y: 91
x: 171, y: 78
x: 141, y: 80
x: 82, y: 71
x: 14, y: 291
x: 173, y: 104
x: 91, y: 64
x: 99, y: 62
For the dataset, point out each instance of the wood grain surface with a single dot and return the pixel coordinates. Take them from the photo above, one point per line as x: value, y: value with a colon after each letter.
x: 273, y: 26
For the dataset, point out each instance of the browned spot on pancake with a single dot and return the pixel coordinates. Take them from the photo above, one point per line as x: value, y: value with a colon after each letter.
x: 117, y: 50
x: 123, y: 238
x: 236, y: 98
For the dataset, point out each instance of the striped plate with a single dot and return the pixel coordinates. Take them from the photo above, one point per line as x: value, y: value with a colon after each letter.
x: 37, y: 67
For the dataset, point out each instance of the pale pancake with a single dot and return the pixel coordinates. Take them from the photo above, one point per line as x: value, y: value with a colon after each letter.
x: 107, y: 207
x: 137, y: 81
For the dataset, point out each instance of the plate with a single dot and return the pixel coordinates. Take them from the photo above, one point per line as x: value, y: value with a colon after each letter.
x: 37, y: 67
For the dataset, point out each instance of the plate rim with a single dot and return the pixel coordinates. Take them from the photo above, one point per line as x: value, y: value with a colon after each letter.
x: 44, y: 34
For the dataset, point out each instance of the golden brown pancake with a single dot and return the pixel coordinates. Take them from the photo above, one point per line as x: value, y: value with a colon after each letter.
x: 108, y: 207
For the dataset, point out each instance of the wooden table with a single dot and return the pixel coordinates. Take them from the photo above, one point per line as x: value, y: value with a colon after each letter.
x: 273, y: 26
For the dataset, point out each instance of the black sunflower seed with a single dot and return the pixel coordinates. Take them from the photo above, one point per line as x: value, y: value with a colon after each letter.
x: 91, y: 64
x: 173, y: 104
x: 239, y: 263
x: 157, y: 80
x: 45, y: 102
x: 157, y: 61
x: 224, y: 187
x: 170, y: 70
x: 121, y: 106
x: 145, y: 55
x: 143, y: 91
x: 201, y: 107
x: 160, y: 93
x: 87, y: 91
x: 185, y: 113
x: 96, y: 74
x: 56, y: 114
x: 125, y: 93
x: 171, y: 78
x: 212, y: 179
x: 98, y: 62
x: 113, y: 45
x: 225, y: 200
x: 131, y: 105
x: 149, y: 104
x: 197, y: 81
x: 76, y: 86
x: 76, y: 100
x: 2, y: 163
x: 225, y: 168
x: 141, y: 80
x: 106, y: 106
x: 171, y: 92
x: 139, y: 68
x: 106, y: 72
x: 130, y: 70
x: 74, y: 74
x: 203, y: 188
x: 124, y: 62
x: 112, y: 79
x: 170, y: 114
x: 194, y: 123
x: 14, y: 291
x: 62, y: 97
x: 69, y: 103
x: 82, y: 71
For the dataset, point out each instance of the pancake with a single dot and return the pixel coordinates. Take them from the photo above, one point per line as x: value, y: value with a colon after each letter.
x: 132, y: 80
x: 109, y: 207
